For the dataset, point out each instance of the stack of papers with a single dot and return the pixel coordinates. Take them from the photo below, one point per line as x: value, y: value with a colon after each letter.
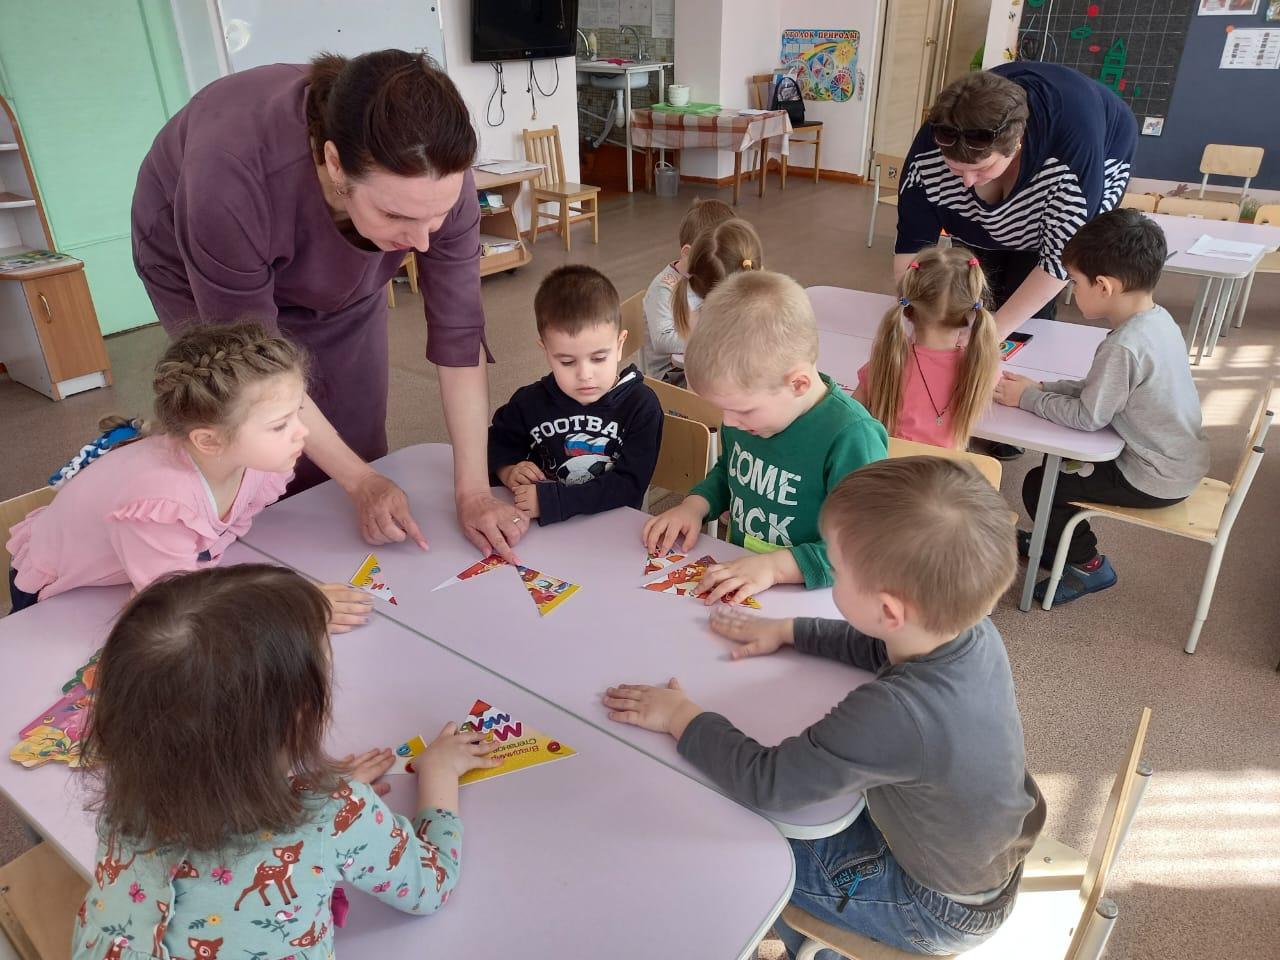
x: 1207, y: 246
x: 506, y: 166
x: 489, y: 244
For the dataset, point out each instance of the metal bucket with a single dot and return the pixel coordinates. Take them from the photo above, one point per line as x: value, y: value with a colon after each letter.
x: 666, y: 179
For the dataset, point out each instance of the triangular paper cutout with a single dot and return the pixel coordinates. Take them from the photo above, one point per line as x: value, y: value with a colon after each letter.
x: 548, y: 592
x: 368, y: 577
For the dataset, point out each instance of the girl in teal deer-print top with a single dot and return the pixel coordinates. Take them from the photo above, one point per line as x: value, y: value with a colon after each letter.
x: 215, y: 840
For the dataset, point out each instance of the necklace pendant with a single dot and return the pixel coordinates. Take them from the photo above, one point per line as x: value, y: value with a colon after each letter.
x: 939, y: 420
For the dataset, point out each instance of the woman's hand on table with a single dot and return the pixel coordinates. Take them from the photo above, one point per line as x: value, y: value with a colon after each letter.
x: 492, y: 525
x: 383, y: 509
x: 348, y: 607
x: 1010, y: 387
x: 660, y: 709
x: 369, y: 768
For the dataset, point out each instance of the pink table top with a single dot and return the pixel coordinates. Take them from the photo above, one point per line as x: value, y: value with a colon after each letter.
x: 544, y: 846
x: 1181, y: 232
x: 611, y: 631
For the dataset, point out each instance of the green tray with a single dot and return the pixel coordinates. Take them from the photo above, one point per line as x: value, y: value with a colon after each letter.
x: 699, y: 108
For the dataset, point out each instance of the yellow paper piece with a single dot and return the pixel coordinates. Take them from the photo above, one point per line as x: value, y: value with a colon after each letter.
x: 520, y: 746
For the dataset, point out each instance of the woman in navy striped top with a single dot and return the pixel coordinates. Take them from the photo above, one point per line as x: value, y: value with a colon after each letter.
x: 1011, y: 163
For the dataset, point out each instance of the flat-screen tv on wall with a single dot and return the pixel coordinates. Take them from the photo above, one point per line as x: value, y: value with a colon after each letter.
x: 522, y: 29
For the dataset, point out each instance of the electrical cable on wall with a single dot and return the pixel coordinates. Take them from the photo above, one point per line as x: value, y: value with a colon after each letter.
x: 535, y: 85
x: 499, y: 91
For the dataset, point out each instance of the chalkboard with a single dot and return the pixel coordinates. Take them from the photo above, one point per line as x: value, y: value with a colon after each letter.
x: 1131, y: 46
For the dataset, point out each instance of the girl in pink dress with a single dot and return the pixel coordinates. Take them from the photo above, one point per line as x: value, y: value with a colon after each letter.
x: 936, y: 355
x: 227, y: 403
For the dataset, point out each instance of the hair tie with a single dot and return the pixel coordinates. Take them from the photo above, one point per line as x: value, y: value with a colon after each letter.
x: 746, y: 264
x: 904, y: 301
x: 973, y: 261
x: 977, y: 305
x: 914, y: 265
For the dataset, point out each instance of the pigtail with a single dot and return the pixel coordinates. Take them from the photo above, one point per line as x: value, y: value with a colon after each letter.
x: 981, y: 363
x: 680, y: 311
x: 885, y: 369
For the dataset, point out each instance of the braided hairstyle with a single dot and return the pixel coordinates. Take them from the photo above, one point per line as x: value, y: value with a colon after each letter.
x: 203, y: 378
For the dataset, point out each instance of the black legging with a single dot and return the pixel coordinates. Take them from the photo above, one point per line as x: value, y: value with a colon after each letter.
x: 1005, y: 270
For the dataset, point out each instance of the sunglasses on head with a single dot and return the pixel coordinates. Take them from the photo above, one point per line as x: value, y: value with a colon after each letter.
x: 945, y: 135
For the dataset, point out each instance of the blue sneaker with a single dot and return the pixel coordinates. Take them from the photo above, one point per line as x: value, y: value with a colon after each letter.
x: 1076, y: 582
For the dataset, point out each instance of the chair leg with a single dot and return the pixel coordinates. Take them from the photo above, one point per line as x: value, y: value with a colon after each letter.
x: 1060, y: 557
x: 595, y: 219
x: 1206, y: 594
x: 817, y: 153
x: 737, y: 176
x: 564, y: 223
x: 809, y: 950
x: 391, y: 293
x: 1244, y: 299
x: 782, y: 177
x: 411, y: 268
x: 875, y: 203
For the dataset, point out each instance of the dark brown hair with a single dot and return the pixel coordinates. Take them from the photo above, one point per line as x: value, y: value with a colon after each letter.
x: 950, y: 578
x: 702, y: 215
x: 390, y: 109
x: 1120, y: 243
x: 982, y: 101
x: 574, y: 297
x: 211, y: 687
x: 722, y: 251
x: 203, y: 378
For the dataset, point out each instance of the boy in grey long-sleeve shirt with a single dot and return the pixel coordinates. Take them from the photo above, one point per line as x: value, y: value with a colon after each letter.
x: 921, y: 548
x: 1140, y: 384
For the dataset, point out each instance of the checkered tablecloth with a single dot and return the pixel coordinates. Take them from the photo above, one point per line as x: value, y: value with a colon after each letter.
x: 726, y: 130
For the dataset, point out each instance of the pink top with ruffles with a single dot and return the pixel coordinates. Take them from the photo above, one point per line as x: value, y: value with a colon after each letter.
x: 139, y: 512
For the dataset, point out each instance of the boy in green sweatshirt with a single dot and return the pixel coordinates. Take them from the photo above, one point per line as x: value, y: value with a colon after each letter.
x: 790, y: 435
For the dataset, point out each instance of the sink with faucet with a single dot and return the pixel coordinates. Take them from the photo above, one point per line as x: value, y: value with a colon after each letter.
x: 617, y: 73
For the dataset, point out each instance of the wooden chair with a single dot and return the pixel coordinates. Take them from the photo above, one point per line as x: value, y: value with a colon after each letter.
x: 39, y: 896
x: 1200, y: 209
x: 989, y: 467
x: 633, y: 323
x: 679, y: 402
x: 13, y: 510
x: 810, y: 130
x: 885, y: 172
x: 1270, y: 262
x: 1207, y: 515
x: 1073, y: 923
x: 410, y: 267
x: 1139, y: 201
x: 1225, y: 160
x: 543, y: 147
x: 684, y: 457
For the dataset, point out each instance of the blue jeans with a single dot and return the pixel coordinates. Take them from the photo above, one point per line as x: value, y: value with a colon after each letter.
x: 19, y: 599
x: 883, y: 902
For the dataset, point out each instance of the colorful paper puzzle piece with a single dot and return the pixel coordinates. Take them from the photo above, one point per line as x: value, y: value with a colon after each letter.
x: 548, y: 592
x: 519, y: 745
x: 369, y: 577
x: 406, y: 753
x: 491, y: 562
x: 658, y: 561
x: 683, y: 581
x: 55, y: 735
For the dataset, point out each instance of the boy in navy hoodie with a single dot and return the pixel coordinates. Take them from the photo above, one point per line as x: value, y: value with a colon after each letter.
x: 584, y: 438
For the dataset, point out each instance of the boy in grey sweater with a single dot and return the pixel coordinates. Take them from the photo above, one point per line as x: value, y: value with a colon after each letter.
x: 1140, y: 384
x: 921, y: 549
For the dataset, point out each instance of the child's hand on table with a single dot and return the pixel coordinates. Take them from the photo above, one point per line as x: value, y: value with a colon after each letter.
x: 755, y: 636
x: 369, y: 768
x: 747, y: 576
x: 518, y: 474
x: 348, y: 607
x: 660, y: 709
x: 1010, y: 386
x: 458, y: 751
x: 526, y: 497
x: 661, y: 532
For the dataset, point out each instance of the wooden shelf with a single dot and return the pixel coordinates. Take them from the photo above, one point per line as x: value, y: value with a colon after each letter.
x: 492, y: 211
x: 12, y: 201
x: 497, y: 262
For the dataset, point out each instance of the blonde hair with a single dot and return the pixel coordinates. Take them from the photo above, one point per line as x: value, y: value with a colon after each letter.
x: 928, y: 530
x: 755, y: 327
x: 720, y: 252
x: 943, y: 287
x: 702, y: 215
x: 202, y: 379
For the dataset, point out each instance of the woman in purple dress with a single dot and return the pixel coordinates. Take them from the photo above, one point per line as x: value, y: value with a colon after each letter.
x: 290, y: 195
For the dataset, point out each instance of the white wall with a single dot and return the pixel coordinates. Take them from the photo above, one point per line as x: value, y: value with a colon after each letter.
x: 698, y: 50
x: 475, y: 81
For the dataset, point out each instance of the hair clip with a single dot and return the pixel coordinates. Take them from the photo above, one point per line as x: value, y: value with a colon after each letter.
x: 904, y: 301
x: 913, y: 265
x: 973, y: 261
x: 746, y: 264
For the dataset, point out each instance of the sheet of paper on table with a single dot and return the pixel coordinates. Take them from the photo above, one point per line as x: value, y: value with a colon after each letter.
x: 1207, y: 246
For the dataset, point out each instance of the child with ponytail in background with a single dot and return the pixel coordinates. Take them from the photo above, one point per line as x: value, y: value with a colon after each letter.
x: 936, y: 355
x: 228, y: 435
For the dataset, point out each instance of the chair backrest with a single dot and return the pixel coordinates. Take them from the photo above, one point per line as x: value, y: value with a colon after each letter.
x: 1204, y: 209
x: 679, y: 402
x: 1267, y: 213
x: 1106, y: 842
x: 1228, y: 160
x: 543, y: 146
x: 1257, y: 436
x: 682, y: 458
x: 633, y: 323
x: 15, y: 509
x: 890, y: 171
x: 1139, y: 201
x: 761, y: 85
x: 989, y: 467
